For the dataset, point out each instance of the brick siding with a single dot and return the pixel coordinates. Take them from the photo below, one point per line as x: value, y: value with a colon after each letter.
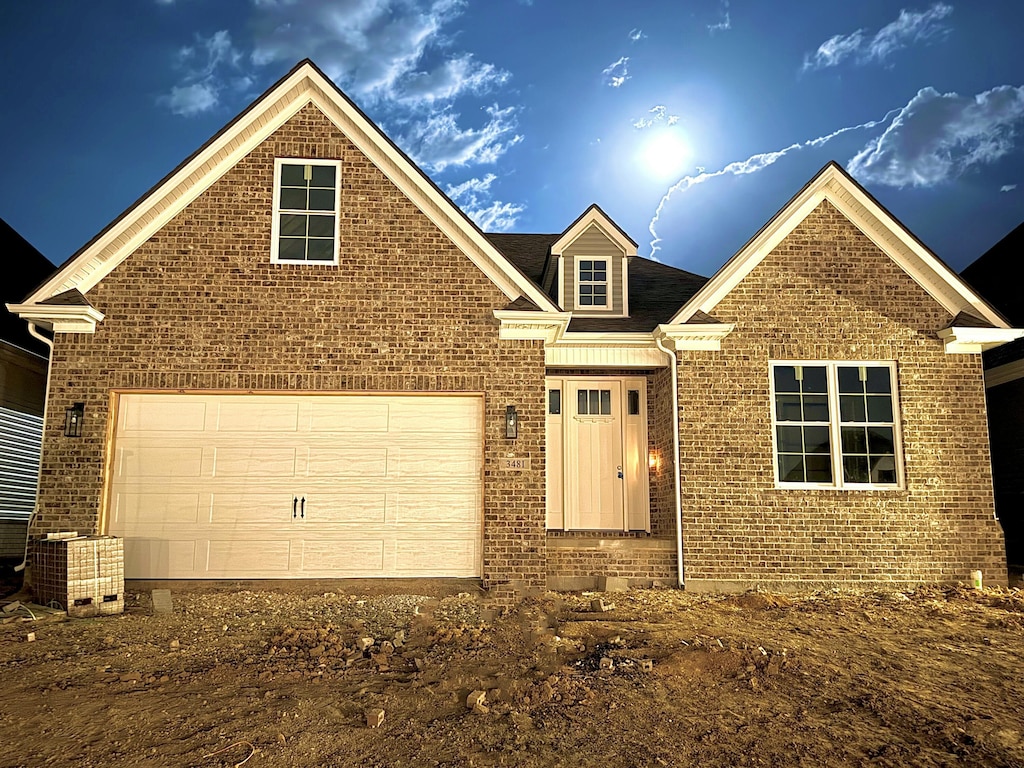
x: 827, y: 293
x: 200, y: 306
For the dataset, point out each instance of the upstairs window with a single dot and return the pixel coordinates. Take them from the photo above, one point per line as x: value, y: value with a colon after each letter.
x: 592, y: 283
x: 836, y: 425
x: 305, y: 211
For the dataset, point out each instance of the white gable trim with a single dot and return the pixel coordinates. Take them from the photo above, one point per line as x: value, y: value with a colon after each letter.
x: 304, y: 86
x: 594, y: 216
x: 524, y: 325
x: 879, y: 226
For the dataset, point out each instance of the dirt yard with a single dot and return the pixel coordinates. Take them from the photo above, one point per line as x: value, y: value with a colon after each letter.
x: 277, y: 677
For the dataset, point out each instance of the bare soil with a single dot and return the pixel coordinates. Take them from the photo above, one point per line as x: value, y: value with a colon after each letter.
x: 274, y: 677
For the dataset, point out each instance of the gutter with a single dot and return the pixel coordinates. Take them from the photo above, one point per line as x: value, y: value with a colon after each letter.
x: 34, y: 332
x: 658, y: 340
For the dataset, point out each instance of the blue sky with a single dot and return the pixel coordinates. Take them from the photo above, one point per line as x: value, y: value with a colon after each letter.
x: 690, y: 123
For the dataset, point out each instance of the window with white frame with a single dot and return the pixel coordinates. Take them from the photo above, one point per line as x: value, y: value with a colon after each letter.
x: 592, y: 283
x: 305, y: 228
x: 836, y: 424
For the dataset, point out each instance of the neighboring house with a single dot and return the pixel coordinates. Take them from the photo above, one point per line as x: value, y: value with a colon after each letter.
x: 296, y: 357
x: 23, y: 360
x: 993, y: 275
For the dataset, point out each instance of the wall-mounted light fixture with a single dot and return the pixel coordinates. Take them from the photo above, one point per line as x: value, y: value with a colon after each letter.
x: 654, y: 460
x: 73, y: 418
x: 511, y: 422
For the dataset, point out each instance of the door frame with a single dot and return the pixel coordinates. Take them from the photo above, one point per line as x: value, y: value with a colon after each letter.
x: 562, y: 458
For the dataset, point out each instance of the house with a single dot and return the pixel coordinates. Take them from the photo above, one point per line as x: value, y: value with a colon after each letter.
x: 296, y: 357
x: 23, y: 360
x: 992, y: 274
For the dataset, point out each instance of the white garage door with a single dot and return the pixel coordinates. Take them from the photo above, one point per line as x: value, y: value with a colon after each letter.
x: 298, y: 486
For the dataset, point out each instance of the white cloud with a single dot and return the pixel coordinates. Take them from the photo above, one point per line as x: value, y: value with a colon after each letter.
x: 209, y: 66
x: 636, y: 34
x: 496, y: 217
x: 376, y: 50
x: 617, y: 72
x: 937, y: 136
x: 1007, y: 187
x: 189, y: 100
x: 752, y: 164
x: 438, y: 142
x: 660, y: 115
x: 909, y: 28
x: 725, y: 24
x: 491, y: 216
x: 471, y: 187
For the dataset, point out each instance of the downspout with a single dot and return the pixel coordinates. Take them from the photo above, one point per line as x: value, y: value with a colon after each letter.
x: 34, y: 332
x: 675, y: 454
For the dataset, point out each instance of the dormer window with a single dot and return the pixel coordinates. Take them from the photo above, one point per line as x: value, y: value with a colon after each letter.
x: 305, y: 228
x: 593, y: 283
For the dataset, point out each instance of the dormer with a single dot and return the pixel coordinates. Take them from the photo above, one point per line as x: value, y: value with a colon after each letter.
x: 592, y: 263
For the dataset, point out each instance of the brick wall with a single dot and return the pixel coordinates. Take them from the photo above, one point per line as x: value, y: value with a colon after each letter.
x: 1006, y: 426
x: 827, y: 293
x: 200, y: 306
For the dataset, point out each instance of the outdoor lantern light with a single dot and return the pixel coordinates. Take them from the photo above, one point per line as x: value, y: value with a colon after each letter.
x: 73, y: 418
x: 511, y: 422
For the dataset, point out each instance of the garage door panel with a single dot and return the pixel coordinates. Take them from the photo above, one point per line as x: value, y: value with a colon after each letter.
x: 134, y: 511
x: 353, y: 415
x: 252, y: 507
x: 358, y: 509
x: 258, y: 414
x: 393, y: 485
x: 248, y: 461
x: 160, y: 461
x: 436, y: 556
x: 324, y: 461
x: 433, y: 462
x: 252, y: 558
x: 445, y: 415
x: 458, y: 508
x: 181, y: 414
x: 343, y: 557
x: 158, y: 558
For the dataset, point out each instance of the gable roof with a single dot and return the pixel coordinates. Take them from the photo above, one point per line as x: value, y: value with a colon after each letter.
x: 24, y: 268
x: 834, y: 184
x: 304, y: 84
x: 596, y: 217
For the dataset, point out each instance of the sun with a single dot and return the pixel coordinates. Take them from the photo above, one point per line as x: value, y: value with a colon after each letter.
x: 666, y: 152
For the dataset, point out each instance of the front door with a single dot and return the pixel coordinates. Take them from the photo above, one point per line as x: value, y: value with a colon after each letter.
x: 596, y: 483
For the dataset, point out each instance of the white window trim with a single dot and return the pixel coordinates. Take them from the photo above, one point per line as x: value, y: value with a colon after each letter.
x: 607, y: 283
x: 835, y: 437
x: 275, y: 230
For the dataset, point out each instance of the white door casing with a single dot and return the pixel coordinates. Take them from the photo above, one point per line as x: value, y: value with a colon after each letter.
x: 289, y: 486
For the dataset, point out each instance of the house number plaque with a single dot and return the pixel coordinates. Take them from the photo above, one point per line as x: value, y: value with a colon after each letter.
x: 515, y: 464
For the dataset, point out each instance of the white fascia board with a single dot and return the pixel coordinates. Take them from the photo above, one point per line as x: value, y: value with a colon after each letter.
x: 545, y: 326
x: 879, y: 227
x: 1004, y: 374
x: 966, y: 341
x: 59, y: 318
x: 593, y: 215
x: 694, y: 336
x: 303, y: 87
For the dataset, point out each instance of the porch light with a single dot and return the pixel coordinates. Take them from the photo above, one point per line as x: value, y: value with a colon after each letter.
x: 511, y: 422
x: 73, y: 418
x: 653, y: 460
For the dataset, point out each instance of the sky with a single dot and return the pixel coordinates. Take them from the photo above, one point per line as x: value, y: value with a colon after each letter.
x: 690, y: 122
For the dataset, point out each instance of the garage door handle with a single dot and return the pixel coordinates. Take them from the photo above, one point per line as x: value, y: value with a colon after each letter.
x: 303, y: 508
x: 295, y: 503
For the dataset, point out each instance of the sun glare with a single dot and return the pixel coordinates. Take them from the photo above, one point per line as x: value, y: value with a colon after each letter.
x: 665, y: 153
